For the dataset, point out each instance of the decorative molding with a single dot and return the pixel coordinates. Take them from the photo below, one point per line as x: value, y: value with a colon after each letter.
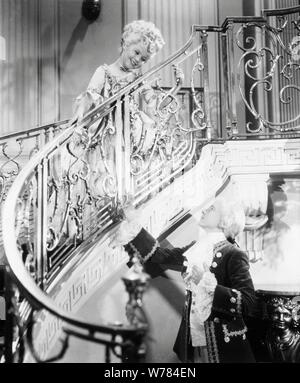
x: 263, y: 157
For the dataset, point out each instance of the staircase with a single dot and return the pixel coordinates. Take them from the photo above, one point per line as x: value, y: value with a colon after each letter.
x: 16, y: 150
x: 67, y: 199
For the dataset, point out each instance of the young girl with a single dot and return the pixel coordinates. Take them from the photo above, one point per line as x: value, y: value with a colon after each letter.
x: 141, y: 40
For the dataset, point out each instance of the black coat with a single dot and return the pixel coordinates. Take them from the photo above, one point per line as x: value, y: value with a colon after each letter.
x: 234, y: 299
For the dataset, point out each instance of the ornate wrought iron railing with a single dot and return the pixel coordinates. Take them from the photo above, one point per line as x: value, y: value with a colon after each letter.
x: 17, y: 149
x: 262, y: 73
x: 135, y: 144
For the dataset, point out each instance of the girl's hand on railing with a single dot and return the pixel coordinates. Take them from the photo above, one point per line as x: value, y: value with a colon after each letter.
x: 84, y: 103
x: 80, y: 137
x: 77, y: 116
x: 80, y: 108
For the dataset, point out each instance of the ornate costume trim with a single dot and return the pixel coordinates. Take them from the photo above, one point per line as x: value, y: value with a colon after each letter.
x: 212, y: 347
x: 217, y: 254
x: 239, y: 302
x: 148, y: 256
x: 229, y: 334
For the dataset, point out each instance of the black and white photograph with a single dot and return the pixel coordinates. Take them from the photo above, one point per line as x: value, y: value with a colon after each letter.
x: 150, y: 184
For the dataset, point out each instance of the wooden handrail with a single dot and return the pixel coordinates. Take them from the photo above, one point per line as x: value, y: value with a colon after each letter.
x: 33, y: 130
x: 280, y: 11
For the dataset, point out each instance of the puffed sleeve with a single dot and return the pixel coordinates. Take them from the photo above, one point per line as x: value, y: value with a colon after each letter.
x: 239, y: 299
x: 97, y: 81
x: 92, y: 96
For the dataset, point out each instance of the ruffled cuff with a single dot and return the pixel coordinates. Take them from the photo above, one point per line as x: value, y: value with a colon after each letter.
x: 208, y: 282
x: 204, y: 294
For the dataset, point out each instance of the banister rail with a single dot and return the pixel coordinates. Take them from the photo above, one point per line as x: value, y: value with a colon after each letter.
x: 280, y: 11
x: 33, y: 130
x: 17, y: 148
x: 14, y: 143
x: 74, y: 186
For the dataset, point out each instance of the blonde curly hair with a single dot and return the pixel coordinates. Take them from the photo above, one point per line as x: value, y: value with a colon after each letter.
x: 144, y: 31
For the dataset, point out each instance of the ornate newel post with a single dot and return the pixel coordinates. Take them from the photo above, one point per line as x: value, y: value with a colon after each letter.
x: 136, y: 282
x: 283, y: 335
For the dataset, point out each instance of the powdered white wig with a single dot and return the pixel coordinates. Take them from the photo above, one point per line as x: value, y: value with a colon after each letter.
x: 145, y: 31
x: 232, y: 217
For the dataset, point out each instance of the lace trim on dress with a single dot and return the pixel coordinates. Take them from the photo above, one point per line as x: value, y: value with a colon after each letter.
x: 115, y: 83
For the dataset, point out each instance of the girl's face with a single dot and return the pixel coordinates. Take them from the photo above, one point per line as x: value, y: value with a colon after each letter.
x: 211, y: 217
x: 134, y: 56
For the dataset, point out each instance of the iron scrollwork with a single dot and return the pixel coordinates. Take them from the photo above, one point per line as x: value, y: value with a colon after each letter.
x: 267, y: 62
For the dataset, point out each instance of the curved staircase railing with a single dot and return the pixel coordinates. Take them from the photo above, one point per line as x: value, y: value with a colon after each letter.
x: 17, y: 148
x: 73, y: 189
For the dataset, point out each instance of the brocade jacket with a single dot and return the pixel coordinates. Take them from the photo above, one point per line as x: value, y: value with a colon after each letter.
x: 234, y: 299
